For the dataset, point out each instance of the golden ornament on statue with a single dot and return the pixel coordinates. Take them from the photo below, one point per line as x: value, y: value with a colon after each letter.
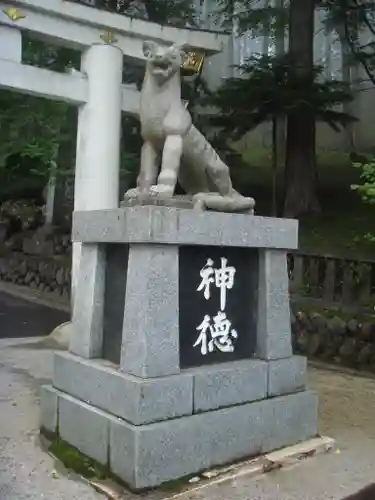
x: 14, y: 14
x: 193, y: 62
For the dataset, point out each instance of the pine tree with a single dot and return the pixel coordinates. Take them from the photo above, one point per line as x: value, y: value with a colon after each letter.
x: 289, y: 86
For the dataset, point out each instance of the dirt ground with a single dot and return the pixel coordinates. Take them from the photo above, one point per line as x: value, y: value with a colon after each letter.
x: 346, y: 403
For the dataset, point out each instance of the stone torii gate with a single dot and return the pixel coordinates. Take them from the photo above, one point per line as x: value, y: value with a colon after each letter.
x: 104, y: 39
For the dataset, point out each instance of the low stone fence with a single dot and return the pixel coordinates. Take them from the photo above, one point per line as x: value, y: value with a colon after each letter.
x: 38, y: 273
x: 332, y: 339
x: 341, y: 282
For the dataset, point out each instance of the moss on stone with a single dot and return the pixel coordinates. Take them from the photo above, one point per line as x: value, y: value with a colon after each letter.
x: 329, y: 313
x: 175, y: 486
x: 74, y: 460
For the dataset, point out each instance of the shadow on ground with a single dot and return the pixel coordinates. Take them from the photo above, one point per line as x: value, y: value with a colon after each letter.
x: 20, y: 318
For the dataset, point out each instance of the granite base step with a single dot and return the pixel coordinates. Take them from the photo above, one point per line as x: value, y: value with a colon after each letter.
x: 145, y: 456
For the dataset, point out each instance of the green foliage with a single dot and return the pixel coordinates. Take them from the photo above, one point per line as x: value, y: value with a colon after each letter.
x: 30, y: 128
x: 367, y: 189
x: 176, y: 12
x: 33, y: 127
x: 265, y: 90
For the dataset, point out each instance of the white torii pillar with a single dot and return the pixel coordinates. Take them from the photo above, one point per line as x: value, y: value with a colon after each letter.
x: 98, y: 144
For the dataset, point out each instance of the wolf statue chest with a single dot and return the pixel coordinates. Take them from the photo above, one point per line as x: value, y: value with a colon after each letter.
x: 153, y: 113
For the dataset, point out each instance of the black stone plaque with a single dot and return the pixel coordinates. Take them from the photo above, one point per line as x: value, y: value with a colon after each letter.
x: 217, y: 304
x: 114, y: 300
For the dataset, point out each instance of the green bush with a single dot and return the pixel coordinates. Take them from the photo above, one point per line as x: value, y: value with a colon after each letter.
x: 367, y: 189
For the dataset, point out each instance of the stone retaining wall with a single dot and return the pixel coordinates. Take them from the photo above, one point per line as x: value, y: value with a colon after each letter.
x: 347, y: 342
x: 38, y: 273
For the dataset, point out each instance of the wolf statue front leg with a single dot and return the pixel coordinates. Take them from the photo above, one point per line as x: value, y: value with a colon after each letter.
x: 176, y: 125
x: 170, y: 166
x: 149, y: 168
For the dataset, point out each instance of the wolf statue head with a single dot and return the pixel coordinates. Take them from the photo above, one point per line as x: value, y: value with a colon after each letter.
x: 163, y: 62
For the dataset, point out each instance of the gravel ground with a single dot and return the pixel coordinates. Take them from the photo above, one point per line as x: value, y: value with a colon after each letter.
x: 347, y: 413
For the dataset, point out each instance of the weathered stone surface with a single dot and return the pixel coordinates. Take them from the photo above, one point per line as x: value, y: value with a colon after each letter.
x: 150, y: 340
x: 61, y: 335
x: 329, y: 345
x: 48, y: 408
x: 84, y: 427
x: 178, y: 448
x: 174, y: 449
x: 229, y: 384
x: 15, y: 242
x: 349, y: 342
x: 60, y: 278
x: 21, y: 214
x: 147, y: 455
x: 183, y: 227
x: 318, y: 322
x: 35, y: 272
x: 87, y: 338
x: 137, y: 400
x: 290, y: 419
x: 353, y: 326
x: 337, y: 326
x: 286, y: 376
x: 300, y: 341
x: 367, y: 332
x: 38, y: 246
x: 314, y: 344
x: 133, y: 198
x: 365, y: 354
x: 302, y: 319
x: 274, y: 331
x: 348, y: 350
x: 3, y: 231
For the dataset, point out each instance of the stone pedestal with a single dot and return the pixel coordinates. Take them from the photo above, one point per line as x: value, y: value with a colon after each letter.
x: 181, y: 358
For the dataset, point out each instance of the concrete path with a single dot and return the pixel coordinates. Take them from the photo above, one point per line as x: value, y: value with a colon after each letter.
x: 26, y: 472
x: 20, y: 318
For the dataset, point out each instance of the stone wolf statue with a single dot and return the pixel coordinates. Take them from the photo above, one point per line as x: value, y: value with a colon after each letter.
x: 169, y: 135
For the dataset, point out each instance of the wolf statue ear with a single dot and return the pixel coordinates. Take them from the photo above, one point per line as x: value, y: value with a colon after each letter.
x: 149, y: 48
x: 182, y: 50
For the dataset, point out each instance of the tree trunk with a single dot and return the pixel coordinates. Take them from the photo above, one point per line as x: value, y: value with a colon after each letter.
x: 300, y: 171
x: 281, y: 119
x: 274, y: 165
x: 280, y: 52
x: 266, y: 33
